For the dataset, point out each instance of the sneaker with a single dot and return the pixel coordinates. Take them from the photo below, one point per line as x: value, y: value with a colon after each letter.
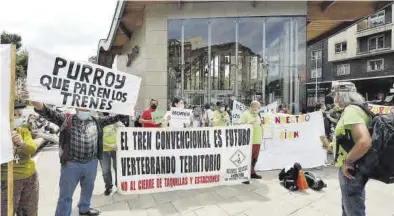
x: 91, y: 212
x: 255, y: 176
x: 107, y: 192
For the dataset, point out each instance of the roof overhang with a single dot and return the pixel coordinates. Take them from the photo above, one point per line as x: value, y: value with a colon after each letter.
x: 324, y: 18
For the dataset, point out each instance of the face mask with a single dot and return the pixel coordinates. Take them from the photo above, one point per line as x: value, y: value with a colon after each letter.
x: 83, y: 115
x: 222, y: 109
x: 153, y: 106
x: 18, y: 122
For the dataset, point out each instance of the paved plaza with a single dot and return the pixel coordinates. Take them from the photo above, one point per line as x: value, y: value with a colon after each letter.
x: 262, y: 197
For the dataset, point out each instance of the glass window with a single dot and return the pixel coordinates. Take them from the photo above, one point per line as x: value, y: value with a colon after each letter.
x: 343, y: 69
x: 317, y: 54
x: 316, y: 73
x: 376, y: 42
x: 244, y: 58
x: 340, y: 47
x: 376, y: 65
x: 377, y: 19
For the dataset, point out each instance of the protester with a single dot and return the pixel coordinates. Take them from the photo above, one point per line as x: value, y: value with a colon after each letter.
x: 137, y: 115
x: 283, y: 109
x: 146, y: 118
x: 253, y: 118
x: 353, y: 121
x: 80, y: 148
x: 41, y: 128
x: 220, y: 116
x: 26, y: 186
x: 208, y: 115
x: 197, y: 119
x: 177, y: 102
x: 109, y: 155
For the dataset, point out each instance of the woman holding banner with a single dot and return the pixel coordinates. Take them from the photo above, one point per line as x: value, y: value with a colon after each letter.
x: 252, y: 117
x: 26, y: 184
x: 177, y: 102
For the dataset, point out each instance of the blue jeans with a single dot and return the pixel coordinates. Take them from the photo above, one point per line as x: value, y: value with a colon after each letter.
x: 353, y: 194
x: 108, y: 158
x: 70, y: 175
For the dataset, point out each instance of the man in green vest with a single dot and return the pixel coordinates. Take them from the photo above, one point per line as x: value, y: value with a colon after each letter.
x: 109, y: 155
x: 252, y: 117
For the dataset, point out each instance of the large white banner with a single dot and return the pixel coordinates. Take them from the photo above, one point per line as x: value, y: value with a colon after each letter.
x: 63, y: 82
x: 292, y: 138
x: 238, y: 109
x: 270, y: 108
x: 6, y: 147
x: 153, y: 160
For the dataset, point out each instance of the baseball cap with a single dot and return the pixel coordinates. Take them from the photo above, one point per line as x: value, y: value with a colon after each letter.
x: 342, y: 87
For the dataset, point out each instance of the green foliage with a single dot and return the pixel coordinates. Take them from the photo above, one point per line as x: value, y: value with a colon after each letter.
x: 7, y: 38
x: 22, y: 59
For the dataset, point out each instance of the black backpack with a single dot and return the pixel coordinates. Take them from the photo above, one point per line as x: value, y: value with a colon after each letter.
x: 378, y: 162
x: 289, y: 177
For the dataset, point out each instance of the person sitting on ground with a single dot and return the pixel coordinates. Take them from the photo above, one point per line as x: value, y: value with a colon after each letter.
x: 26, y: 186
x: 253, y: 118
x: 220, y: 116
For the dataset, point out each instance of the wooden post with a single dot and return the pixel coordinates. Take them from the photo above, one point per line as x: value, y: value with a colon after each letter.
x: 10, y: 178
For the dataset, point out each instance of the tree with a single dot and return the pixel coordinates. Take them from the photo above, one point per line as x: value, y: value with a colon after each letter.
x: 7, y: 38
x: 22, y: 57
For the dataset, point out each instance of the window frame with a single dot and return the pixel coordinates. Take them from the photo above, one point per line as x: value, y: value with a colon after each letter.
x: 376, y: 42
x: 375, y: 60
x: 341, y: 47
x: 347, y: 65
x: 316, y: 69
x: 313, y: 58
x: 376, y: 17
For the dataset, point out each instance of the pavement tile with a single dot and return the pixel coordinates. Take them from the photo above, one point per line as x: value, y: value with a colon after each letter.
x: 163, y: 209
x: 165, y: 197
x: 211, y: 210
x: 187, y: 204
x: 308, y: 211
x: 120, y: 198
x: 144, y: 201
x: 120, y: 208
x: 242, y: 202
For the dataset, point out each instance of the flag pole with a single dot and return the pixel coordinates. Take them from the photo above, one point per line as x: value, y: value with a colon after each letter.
x: 10, y: 174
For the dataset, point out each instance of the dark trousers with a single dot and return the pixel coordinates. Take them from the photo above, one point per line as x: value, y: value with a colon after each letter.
x: 109, y: 157
x: 255, y: 156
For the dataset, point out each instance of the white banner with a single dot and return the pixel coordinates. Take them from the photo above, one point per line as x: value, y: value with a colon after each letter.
x: 180, y: 117
x: 59, y: 81
x: 238, y: 109
x: 380, y: 109
x: 153, y: 160
x: 291, y: 139
x: 269, y: 109
x: 6, y: 150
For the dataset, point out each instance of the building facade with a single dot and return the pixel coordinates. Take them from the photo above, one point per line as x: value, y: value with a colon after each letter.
x: 208, y: 51
x: 362, y: 53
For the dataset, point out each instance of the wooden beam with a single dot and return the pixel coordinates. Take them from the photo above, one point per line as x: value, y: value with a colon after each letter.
x: 125, y: 31
x: 10, y: 170
x: 326, y: 5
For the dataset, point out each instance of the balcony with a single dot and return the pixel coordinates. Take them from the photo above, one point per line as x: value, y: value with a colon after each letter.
x: 373, y: 29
